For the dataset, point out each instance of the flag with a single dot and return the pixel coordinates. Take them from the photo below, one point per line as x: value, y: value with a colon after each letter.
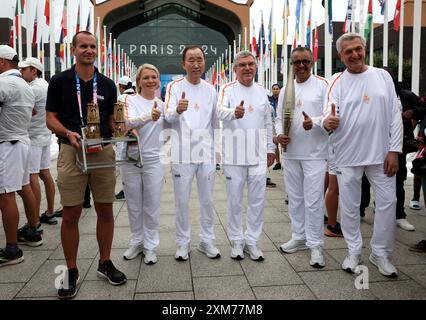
x: 47, y: 12
x: 261, y: 46
x: 369, y: 22
x: 396, y: 17
x: 62, y: 47
x: 88, y: 23
x: 64, y: 20
x: 348, y: 19
x: 214, y: 77
x: 11, y: 37
x: 254, y: 48
x: 330, y: 15
x: 382, y: 6
x: 77, y: 29
x: 315, y: 51
x: 309, y: 28
x: 109, y: 58
x: 35, y: 32
x: 296, y: 34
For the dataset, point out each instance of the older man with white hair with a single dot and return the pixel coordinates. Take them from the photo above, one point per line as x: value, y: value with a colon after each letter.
x: 366, y: 125
x: 248, y: 149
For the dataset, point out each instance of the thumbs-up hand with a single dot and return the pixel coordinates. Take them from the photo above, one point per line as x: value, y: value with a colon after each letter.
x: 156, y: 112
x: 332, y: 122
x: 307, y: 121
x: 182, y: 104
x: 239, y: 110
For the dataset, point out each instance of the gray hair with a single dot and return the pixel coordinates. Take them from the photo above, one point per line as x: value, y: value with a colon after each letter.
x: 348, y: 37
x: 245, y: 54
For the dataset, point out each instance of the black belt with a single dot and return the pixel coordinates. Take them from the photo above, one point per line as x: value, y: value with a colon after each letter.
x: 12, y: 142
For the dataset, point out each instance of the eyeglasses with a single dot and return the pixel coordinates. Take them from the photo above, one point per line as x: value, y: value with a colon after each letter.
x: 243, y: 65
x: 298, y: 62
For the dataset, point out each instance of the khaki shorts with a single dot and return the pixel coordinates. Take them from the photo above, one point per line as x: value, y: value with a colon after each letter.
x: 72, y: 182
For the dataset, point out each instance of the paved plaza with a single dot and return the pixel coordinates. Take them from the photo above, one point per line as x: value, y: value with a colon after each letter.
x: 278, y: 277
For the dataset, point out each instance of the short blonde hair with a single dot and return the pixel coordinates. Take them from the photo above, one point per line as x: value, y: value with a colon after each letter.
x: 139, y: 74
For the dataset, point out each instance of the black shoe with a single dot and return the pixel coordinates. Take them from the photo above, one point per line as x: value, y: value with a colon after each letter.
x: 120, y: 195
x: 335, y: 231
x: 29, y: 236
x: 69, y: 291
x: 217, y: 166
x: 325, y: 220
x: 58, y: 213
x: 110, y: 273
x: 6, y: 258
x: 277, y: 166
x: 270, y: 184
x: 86, y: 205
x: 45, y: 218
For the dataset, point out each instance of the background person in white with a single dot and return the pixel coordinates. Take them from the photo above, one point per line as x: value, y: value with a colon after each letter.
x: 191, y: 110
x: 16, y: 105
x: 248, y: 149
x: 40, y: 136
x: 143, y: 186
x: 367, y: 137
x: 305, y: 162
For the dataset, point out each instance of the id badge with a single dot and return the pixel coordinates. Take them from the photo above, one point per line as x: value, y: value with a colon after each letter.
x: 94, y: 148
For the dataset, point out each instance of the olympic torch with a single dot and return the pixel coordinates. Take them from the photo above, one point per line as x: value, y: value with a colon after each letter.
x: 289, y: 104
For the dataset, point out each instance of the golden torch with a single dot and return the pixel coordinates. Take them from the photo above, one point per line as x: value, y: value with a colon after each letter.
x: 289, y: 104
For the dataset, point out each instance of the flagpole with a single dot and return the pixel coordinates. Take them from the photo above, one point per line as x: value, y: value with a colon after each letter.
x: 68, y: 49
x: 92, y: 19
x: 14, y: 29
x: 110, y: 58
x: 113, y: 58
x: 386, y: 34
x: 28, y: 32
x: 98, y: 43
x: 303, y: 33
x: 415, y: 79
x: 245, y: 38
x: 361, y: 18
x: 401, y: 42
x: 327, y: 45
x: 285, y: 47
x: 104, y: 56
x: 354, y: 8
x: 19, y: 31
x: 372, y: 40
x: 119, y: 61
x: 52, y: 41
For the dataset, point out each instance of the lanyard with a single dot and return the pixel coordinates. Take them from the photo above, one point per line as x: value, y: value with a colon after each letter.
x: 95, y: 94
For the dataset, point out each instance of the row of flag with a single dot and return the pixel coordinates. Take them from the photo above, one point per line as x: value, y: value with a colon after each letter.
x: 112, y: 60
x: 265, y: 48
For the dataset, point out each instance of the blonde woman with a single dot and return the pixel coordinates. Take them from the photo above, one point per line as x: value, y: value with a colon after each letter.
x: 143, y: 186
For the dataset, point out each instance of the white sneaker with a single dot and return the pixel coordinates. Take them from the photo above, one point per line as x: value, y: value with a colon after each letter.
x: 150, y: 257
x: 350, y: 263
x: 405, y: 225
x: 209, y: 250
x: 182, y: 253
x: 237, y: 251
x: 415, y: 205
x: 384, y: 265
x: 317, y: 258
x: 255, y: 253
x: 293, y: 245
x: 133, y: 252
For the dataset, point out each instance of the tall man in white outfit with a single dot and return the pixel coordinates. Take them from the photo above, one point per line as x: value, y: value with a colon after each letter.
x: 16, y: 105
x: 31, y: 70
x: 305, y: 162
x: 248, y: 149
x: 363, y: 114
x: 191, y: 110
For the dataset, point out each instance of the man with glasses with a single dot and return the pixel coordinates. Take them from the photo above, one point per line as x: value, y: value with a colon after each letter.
x: 248, y: 149
x: 305, y: 162
x: 366, y: 138
x: 191, y: 109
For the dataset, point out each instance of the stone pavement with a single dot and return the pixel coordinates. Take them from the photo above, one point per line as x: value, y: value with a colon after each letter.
x: 278, y: 277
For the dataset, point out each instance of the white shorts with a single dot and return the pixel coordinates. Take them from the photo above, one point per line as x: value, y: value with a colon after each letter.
x: 14, y: 167
x: 39, y: 159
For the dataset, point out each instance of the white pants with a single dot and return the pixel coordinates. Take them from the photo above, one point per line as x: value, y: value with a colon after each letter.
x: 143, y: 187
x: 236, y: 178
x: 304, y: 181
x: 183, y: 174
x: 349, y: 180
x: 39, y: 159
